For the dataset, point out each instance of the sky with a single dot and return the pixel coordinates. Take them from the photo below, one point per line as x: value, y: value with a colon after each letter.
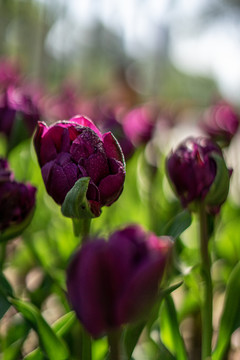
x: 211, y: 48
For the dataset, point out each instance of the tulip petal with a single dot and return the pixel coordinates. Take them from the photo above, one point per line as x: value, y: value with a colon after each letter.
x: 64, y: 171
x: 86, y: 144
x: 86, y: 122
x: 111, y: 186
x: 143, y: 287
x: 89, y: 289
x: 41, y: 130
x: 112, y: 147
x: 97, y: 167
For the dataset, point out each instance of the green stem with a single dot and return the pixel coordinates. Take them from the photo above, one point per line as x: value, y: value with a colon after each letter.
x: 83, y: 232
x: 81, y: 227
x: 208, y: 291
x: 86, y: 345
x: 114, y: 344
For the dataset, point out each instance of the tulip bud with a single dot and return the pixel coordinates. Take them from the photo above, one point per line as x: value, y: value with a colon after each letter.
x: 18, y: 115
x: 116, y: 282
x: 17, y: 202
x: 197, y: 172
x: 78, y: 161
x: 221, y: 122
x: 138, y: 124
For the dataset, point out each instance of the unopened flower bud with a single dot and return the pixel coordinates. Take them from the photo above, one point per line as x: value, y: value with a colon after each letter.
x: 112, y: 283
x: 197, y: 172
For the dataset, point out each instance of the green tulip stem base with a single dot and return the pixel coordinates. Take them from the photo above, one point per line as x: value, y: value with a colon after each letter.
x: 81, y: 228
x: 114, y: 343
x: 86, y: 345
x: 208, y: 291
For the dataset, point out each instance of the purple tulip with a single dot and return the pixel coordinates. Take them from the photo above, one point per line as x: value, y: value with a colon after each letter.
x: 70, y: 150
x: 138, y: 124
x: 17, y: 200
x: 17, y: 105
x: 221, y: 122
x: 192, y: 170
x: 116, y: 282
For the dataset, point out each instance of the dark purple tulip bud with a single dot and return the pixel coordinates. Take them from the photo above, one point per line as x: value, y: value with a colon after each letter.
x: 221, y: 122
x: 70, y: 150
x: 116, y: 282
x: 18, y: 115
x: 197, y: 172
x: 138, y: 124
x: 17, y: 202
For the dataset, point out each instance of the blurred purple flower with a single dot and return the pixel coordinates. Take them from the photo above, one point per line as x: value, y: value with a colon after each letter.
x: 70, y: 150
x: 192, y: 169
x: 17, y: 109
x: 17, y: 201
x: 64, y: 105
x: 9, y: 73
x: 108, y: 121
x: 116, y: 282
x: 138, y: 124
x: 221, y: 122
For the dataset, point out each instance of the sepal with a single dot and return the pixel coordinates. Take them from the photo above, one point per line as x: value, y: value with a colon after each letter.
x: 75, y: 204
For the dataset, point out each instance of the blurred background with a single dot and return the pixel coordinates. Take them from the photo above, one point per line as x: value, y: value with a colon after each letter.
x: 170, y: 49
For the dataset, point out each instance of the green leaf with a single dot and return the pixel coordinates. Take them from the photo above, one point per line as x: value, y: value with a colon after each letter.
x: 219, y: 189
x: 177, y: 225
x: 169, y: 328
x: 162, y: 351
x: 64, y: 323
x: 13, y: 352
x: 76, y: 204
x: 51, y: 344
x: 35, y: 355
x: 60, y: 327
x: 5, y: 291
x: 4, y: 305
x: 230, y: 314
x: 131, y: 336
x: 170, y: 289
x: 13, y: 341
